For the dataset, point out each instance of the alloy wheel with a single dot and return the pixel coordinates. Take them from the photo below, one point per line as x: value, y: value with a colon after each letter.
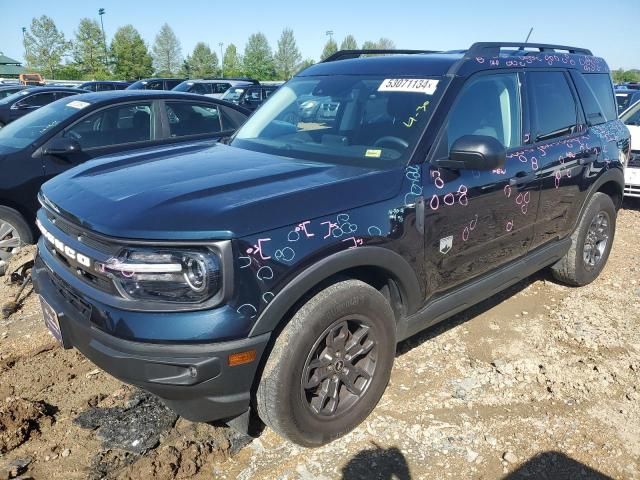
x: 9, y: 242
x: 596, y: 240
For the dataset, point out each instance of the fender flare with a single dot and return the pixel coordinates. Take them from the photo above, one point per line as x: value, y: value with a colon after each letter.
x: 367, y: 256
x: 614, y: 175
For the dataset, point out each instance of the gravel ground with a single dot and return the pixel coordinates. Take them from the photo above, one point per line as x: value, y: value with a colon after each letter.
x: 541, y: 381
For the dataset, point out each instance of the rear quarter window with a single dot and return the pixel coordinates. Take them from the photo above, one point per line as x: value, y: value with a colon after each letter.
x: 602, y: 88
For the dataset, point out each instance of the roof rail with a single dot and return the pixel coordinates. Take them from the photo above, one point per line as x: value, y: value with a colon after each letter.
x: 348, y: 54
x: 492, y: 49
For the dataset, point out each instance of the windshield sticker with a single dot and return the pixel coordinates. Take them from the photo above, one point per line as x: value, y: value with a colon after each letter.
x: 78, y: 104
x: 412, y: 85
x: 373, y: 153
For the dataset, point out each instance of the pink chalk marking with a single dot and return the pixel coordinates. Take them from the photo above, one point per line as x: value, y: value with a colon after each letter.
x: 356, y: 242
x: 331, y: 227
x: 302, y: 227
x: 257, y: 249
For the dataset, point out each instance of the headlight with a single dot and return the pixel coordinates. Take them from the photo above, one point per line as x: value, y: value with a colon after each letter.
x: 165, y: 275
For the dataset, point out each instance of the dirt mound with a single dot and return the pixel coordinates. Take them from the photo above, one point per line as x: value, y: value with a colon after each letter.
x: 19, y: 419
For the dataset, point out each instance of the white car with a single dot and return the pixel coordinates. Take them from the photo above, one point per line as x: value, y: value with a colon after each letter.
x: 631, y: 118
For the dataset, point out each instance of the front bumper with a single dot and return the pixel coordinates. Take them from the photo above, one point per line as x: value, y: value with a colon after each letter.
x: 195, y: 380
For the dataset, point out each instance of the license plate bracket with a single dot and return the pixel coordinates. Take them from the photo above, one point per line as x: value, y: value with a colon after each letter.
x: 51, y: 319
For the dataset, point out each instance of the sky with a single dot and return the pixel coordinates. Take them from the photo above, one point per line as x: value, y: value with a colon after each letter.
x: 611, y: 29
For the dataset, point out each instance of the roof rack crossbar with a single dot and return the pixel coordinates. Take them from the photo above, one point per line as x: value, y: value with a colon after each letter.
x: 348, y: 54
x: 492, y: 49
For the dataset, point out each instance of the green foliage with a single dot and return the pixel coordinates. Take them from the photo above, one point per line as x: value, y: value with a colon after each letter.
x: 258, y: 59
x: 622, y: 75
x: 369, y: 45
x: 287, y: 56
x: 89, y: 50
x: 305, y: 64
x: 70, y: 71
x: 45, y: 45
x: 131, y: 58
x: 167, y: 52
x: 201, y: 63
x: 349, y: 43
x: 329, y: 49
x: 232, y: 63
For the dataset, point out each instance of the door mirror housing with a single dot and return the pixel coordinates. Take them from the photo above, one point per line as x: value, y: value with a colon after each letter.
x: 475, y: 152
x: 62, y: 147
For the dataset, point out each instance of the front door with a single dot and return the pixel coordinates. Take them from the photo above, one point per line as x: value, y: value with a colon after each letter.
x: 476, y: 221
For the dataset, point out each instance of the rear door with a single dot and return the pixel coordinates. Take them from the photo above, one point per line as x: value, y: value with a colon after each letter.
x: 476, y: 221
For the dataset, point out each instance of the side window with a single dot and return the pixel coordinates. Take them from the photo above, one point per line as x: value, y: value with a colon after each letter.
x: 622, y: 99
x: 104, y: 87
x: 154, y: 85
x: 266, y: 92
x: 60, y: 95
x: 200, y: 88
x: 253, y: 95
x: 231, y: 119
x: 173, y: 83
x: 39, y: 100
x: 487, y: 105
x: 602, y: 88
x: 130, y: 123
x: 187, y: 119
x: 554, y: 107
x: 221, y: 87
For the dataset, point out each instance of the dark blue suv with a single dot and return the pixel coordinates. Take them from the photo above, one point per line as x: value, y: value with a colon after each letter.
x: 275, y: 275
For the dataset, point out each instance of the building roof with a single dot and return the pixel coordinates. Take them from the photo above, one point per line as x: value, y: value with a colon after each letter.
x: 4, y: 60
x: 10, y: 67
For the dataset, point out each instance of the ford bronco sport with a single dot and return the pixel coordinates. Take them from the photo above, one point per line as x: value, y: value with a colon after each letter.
x: 276, y: 274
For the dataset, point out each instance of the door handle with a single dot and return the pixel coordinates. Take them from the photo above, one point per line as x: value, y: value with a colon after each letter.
x: 522, y: 177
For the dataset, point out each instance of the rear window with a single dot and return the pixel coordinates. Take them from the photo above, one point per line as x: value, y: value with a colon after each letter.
x: 602, y: 88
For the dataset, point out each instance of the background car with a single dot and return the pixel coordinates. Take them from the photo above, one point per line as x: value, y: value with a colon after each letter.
x: 215, y: 87
x: 68, y: 132
x: 625, y: 97
x: 250, y: 97
x: 631, y: 118
x: 155, y: 84
x: 30, y: 99
x: 6, y: 90
x: 103, y: 86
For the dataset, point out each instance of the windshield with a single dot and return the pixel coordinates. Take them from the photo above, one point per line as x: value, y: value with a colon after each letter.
x: 183, y: 87
x: 356, y: 119
x: 13, y: 97
x: 25, y: 130
x: 233, y: 94
x: 632, y: 116
x: 140, y: 84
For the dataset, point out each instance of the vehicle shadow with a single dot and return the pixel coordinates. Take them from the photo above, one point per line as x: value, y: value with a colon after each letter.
x: 377, y: 463
x: 553, y: 465
x: 629, y: 203
x: 471, y: 312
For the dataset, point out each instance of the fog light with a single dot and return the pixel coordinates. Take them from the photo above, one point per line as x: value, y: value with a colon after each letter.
x: 240, y: 358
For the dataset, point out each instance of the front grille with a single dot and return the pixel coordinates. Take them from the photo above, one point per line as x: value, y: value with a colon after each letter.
x: 78, y: 304
x: 82, y: 235
x: 634, y: 160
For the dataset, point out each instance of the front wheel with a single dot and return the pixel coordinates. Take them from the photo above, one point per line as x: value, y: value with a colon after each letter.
x: 590, y: 243
x: 329, y: 366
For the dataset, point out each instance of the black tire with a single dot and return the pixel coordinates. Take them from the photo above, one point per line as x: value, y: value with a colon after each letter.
x: 19, y: 226
x: 573, y: 269
x: 282, y: 401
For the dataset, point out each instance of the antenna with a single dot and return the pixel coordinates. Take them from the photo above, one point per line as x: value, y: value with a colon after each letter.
x: 530, y: 31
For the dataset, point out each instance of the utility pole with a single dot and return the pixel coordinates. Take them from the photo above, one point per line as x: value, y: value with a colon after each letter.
x: 221, y: 60
x: 329, y: 33
x: 101, y: 12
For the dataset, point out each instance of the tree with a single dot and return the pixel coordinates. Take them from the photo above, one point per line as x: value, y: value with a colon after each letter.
x: 202, y: 62
x: 258, y: 59
x: 329, y: 49
x: 45, y: 45
x: 130, y: 54
x: 305, y: 64
x: 369, y: 45
x: 167, y: 52
x: 287, y: 56
x: 231, y: 63
x: 88, y: 49
x: 386, y: 44
x: 622, y: 75
x: 349, y: 43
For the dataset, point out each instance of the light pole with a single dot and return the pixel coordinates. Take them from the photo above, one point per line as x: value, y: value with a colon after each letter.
x: 329, y: 33
x: 24, y: 41
x: 221, y: 60
x: 101, y: 12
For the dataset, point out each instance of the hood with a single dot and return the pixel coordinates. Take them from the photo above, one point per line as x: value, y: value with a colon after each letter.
x: 210, y: 193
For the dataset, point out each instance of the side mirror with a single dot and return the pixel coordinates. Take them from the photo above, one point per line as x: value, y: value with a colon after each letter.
x: 62, y: 147
x: 475, y: 152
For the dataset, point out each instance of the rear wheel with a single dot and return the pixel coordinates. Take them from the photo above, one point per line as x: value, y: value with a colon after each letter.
x: 591, y: 243
x: 14, y: 233
x: 329, y: 366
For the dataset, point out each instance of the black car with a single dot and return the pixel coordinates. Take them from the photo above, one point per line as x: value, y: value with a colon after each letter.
x: 156, y: 84
x: 103, y: 86
x: 66, y: 133
x: 275, y: 275
x: 29, y: 99
x: 6, y: 90
x: 625, y: 97
x: 250, y: 97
